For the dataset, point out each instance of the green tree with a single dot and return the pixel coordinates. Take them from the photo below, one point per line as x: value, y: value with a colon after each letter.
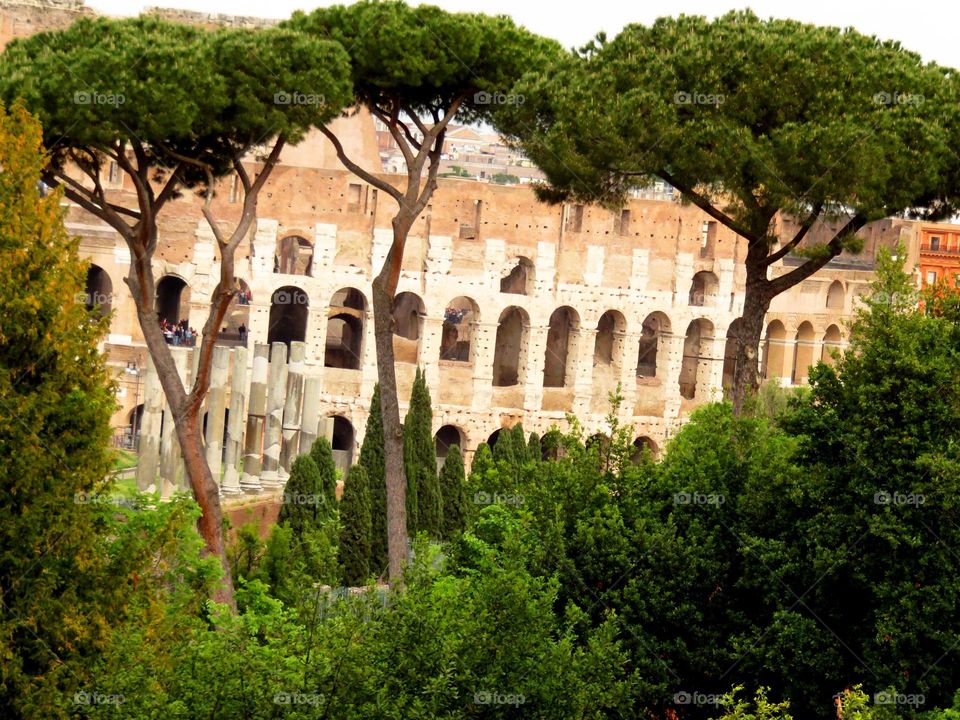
x: 420, y: 459
x: 371, y: 457
x: 519, y: 444
x: 454, y: 492
x: 534, y: 451
x: 416, y: 69
x: 119, y: 91
x: 322, y: 455
x: 304, y: 500
x: 752, y: 121
x: 355, y: 528
x: 504, y: 179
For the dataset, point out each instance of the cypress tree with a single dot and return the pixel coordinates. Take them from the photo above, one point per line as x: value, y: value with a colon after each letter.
x: 519, y: 444
x: 534, y: 452
x: 304, y: 502
x: 503, y: 448
x: 454, y: 493
x: 322, y: 455
x: 420, y: 459
x: 372, y: 460
x: 355, y: 528
x: 484, y: 475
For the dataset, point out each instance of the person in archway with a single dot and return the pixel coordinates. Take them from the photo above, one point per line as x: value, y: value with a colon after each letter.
x: 243, y: 333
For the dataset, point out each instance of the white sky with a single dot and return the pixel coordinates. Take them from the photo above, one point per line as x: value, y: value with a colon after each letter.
x: 930, y: 27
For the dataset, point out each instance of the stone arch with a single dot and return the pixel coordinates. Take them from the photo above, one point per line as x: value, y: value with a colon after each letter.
x: 773, y: 350
x: 134, y: 423
x: 494, y: 436
x: 173, y: 296
x: 294, y: 256
x: 836, y: 295
x: 98, y: 292
x: 459, y: 317
x: 802, y: 352
x: 447, y: 436
x: 510, y: 350
x: 650, y: 356
x: 519, y: 279
x: 608, y: 346
x: 345, y: 326
x: 730, y: 353
x: 644, y: 443
x: 563, y: 339
x: 343, y: 442
x: 703, y: 289
x: 832, y: 340
x: 695, y: 369
x: 408, y: 313
x: 289, y: 311
x: 236, y: 323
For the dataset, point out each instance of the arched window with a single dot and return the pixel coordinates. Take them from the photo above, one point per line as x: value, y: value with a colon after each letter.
x: 289, y: 310
x: 343, y: 442
x: 519, y: 281
x: 345, y: 326
x: 802, y: 353
x: 446, y: 437
x: 408, y: 312
x: 294, y: 256
x: 831, y: 343
x: 703, y: 289
x: 835, y: 295
x: 730, y: 353
x: 563, y: 335
x: 655, y: 326
x: 172, y: 297
x: 98, y: 293
x: 695, y: 370
x: 459, y: 317
x: 608, y: 347
x: 641, y: 444
x: 510, y: 351
x: 773, y: 345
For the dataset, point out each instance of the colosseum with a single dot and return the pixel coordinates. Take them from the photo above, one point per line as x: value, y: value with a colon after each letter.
x: 517, y: 311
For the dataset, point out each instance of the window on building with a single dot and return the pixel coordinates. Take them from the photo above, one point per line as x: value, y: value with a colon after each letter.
x: 934, y: 243
x: 574, y: 218
x: 621, y: 223
x: 353, y: 197
x: 931, y: 277
x: 113, y: 173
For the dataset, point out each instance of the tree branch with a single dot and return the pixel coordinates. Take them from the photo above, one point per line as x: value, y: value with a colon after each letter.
x: 359, y: 171
x: 801, y: 233
x: 704, y: 204
x: 835, y: 247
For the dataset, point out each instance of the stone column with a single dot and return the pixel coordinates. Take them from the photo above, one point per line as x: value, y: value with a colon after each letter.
x: 291, y: 408
x: 238, y: 397
x: 276, y: 393
x: 253, y: 438
x: 172, y: 470
x: 149, y: 430
x: 216, y: 404
x: 716, y: 346
x: 673, y: 345
x: 628, y: 372
x: 310, y: 415
x: 583, y: 371
x: 534, y: 359
x: 483, y: 342
x: 430, y: 352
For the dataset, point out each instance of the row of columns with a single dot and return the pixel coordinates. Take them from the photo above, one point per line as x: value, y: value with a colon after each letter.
x: 274, y: 415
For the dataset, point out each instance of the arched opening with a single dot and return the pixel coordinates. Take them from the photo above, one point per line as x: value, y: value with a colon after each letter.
x: 456, y: 341
x: 494, y: 436
x: 641, y: 444
x: 831, y: 344
x: 294, y: 256
x: 236, y: 323
x: 510, y: 351
x: 519, y: 281
x: 608, y: 347
x: 172, y: 297
x: 344, y: 342
x: 835, y: 295
x: 134, y: 423
x: 342, y: 443
x: 730, y: 353
x: 773, y: 344
x: 98, y: 294
x: 446, y: 437
x: 289, y: 310
x: 655, y: 326
x: 408, y: 313
x: 703, y: 289
x: 563, y: 335
x: 802, y: 353
x: 695, y: 369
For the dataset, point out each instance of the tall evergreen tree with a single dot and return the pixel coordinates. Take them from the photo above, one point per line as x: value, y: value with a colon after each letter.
x: 355, y: 528
x: 304, y: 501
x: 454, y: 493
x: 520, y: 453
x: 322, y: 455
x: 372, y: 460
x: 420, y: 457
x: 503, y: 448
x: 60, y: 599
x: 534, y: 451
